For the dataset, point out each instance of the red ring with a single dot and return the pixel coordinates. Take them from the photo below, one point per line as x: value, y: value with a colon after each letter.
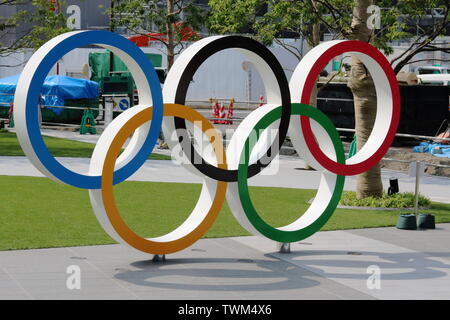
x: 340, y: 48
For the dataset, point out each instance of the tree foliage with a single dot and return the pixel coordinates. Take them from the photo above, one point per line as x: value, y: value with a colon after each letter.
x: 402, y: 21
x: 399, y: 21
x: 152, y: 16
x: 171, y: 17
x: 294, y: 19
x: 32, y: 27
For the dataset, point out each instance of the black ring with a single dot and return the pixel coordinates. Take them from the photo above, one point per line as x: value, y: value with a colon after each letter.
x: 204, y: 53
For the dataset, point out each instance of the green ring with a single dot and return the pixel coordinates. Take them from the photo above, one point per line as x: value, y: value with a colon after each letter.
x: 250, y: 211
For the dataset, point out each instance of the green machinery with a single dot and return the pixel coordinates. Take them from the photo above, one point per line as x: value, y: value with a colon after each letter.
x: 119, y: 80
x: 116, y: 84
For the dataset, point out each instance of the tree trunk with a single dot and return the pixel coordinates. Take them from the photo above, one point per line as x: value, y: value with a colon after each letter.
x: 364, y: 95
x: 170, y: 34
x: 316, y: 42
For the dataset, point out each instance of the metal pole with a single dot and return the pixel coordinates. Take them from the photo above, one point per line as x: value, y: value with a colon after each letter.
x: 416, y: 201
x: 249, y: 92
x: 284, y: 247
x: 109, y: 112
x: 111, y: 28
x: 401, y: 135
x: 159, y: 258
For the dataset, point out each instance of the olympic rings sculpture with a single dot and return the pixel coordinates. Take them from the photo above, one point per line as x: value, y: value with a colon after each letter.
x: 225, y: 174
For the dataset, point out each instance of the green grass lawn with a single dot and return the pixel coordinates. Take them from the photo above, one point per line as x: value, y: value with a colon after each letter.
x: 39, y: 213
x: 9, y: 146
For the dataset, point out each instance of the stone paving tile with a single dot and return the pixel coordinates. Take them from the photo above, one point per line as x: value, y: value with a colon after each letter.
x: 213, y: 269
x: 345, y: 256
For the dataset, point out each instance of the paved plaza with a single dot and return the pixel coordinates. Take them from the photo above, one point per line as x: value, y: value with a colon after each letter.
x: 328, y: 265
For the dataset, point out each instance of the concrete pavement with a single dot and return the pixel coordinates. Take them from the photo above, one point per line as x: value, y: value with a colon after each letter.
x: 328, y: 265
x: 412, y: 265
x: 286, y: 172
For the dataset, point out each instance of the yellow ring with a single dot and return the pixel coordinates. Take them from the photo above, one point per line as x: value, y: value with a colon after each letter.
x: 109, y: 203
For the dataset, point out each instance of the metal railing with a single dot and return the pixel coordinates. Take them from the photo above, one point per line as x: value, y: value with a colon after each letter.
x: 238, y: 119
x: 404, y: 135
x: 427, y: 164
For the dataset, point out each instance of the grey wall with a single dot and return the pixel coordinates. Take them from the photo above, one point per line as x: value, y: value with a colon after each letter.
x: 7, y: 37
x: 91, y: 16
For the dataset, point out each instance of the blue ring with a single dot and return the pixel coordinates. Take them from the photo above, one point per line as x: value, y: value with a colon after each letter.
x: 77, y: 40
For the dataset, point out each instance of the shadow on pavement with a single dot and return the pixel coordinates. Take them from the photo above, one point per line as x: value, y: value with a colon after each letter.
x: 394, y: 266
x: 220, y: 274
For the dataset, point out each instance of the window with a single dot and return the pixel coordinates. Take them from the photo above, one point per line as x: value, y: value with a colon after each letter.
x: 428, y: 71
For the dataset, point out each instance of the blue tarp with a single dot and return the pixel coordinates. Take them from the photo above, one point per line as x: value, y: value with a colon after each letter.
x: 55, y: 91
x: 436, y: 149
